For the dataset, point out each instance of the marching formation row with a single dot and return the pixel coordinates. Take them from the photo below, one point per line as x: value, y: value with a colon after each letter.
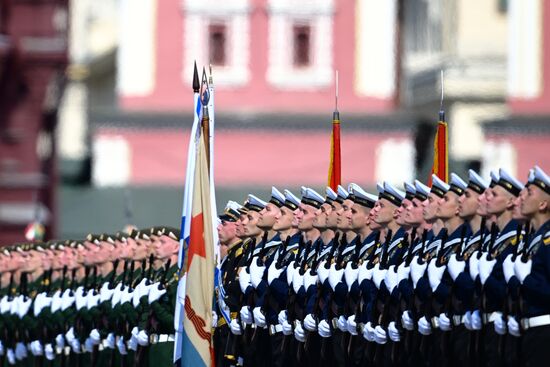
x: 452, y: 274
x: 105, y: 301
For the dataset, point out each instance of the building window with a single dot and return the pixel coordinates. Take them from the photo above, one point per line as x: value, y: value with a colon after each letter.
x: 302, y: 45
x: 217, y: 44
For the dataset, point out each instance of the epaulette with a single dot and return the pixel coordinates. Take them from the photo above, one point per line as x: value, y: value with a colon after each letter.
x: 239, y: 251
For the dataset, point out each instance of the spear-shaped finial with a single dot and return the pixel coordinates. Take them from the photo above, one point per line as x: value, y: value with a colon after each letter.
x: 196, y: 84
x: 441, y: 110
x: 210, y: 80
x: 336, y: 114
x: 204, y: 89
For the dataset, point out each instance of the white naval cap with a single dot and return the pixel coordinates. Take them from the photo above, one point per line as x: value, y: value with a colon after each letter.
x: 392, y: 194
x: 410, y: 191
x: 277, y: 198
x: 311, y: 197
x: 494, y: 178
x: 254, y: 203
x: 439, y: 187
x: 342, y: 194
x: 231, y: 212
x: 509, y: 182
x: 541, y: 179
x: 360, y: 196
x: 457, y: 185
x: 422, y: 191
x: 475, y: 182
x: 330, y: 195
x: 291, y: 201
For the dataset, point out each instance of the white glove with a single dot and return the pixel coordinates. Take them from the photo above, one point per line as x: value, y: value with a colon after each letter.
x: 256, y: 273
x: 393, y: 332
x: 89, y: 345
x: 235, y: 327
x: 36, y: 348
x: 476, y: 320
x: 508, y: 268
x: 121, y: 346
x: 324, y: 329
x: 273, y: 272
x: 368, y: 332
x: 259, y: 317
x: 350, y: 274
x: 522, y: 269
x: 132, y: 343
x: 246, y: 315
x: 391, y: 279
x: 244, y: 279
x: 435, y: 273
x: 474, y: 266
x: 424, y: 326
x: 60, y: 341
x: 11, y: 356
x: 364, y: 273
x: 322, y: 271
x: 110, y: 341
x: 500, y: 325
x: 281, y: 317
x: 69, y: 335
x: 310, y: 323
x: 290, y: 269
x: 403, y: 272
x: 75, y: 345
x: 468, y: 320
x: 20, y: 351
x: 287, y: 328
x: 142, y: 338
x: 310, y: 280
x: 380, y: 335
x: 352, y: 325
x: 335, y: 276
x: 417, y: 270
x: 513, y: 326
x: 444, y: 322
x: 407, y: 320
x: 299, y: 333
x: 297, y: 281
x: 48, y: 352
x: 455, y: 267
x: 1, y: 348
x: 342, y: 323
x: 214, y: 319
x: 485, y: 267
x: 378, y: 275
x: 95, y: 337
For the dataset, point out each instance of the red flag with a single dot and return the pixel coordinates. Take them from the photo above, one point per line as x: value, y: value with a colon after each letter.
x: 335, y: 165
x: 441, y: 155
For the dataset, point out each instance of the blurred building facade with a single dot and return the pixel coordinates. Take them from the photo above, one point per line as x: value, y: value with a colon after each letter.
x: 128, y: 106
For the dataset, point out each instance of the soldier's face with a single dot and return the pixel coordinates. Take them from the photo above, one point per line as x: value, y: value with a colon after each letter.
x: 267, y: 216
x: 385, y: 212
x: 430, y: 207
x: 297, y: 217
x: 321, y: 216
x: 468, y: 204
x: 141, y: 249
x: 534, y: 200
x: 226, y: 232
x: 448, y: 206
x: 239, y: 228
x: 359, y: 217
x: 343, y: 221
x: 413, y: 212
x: 516, y: 212
x: 283, y: 220
x: 250, y: 224
x: 307, y: 217
x: 33, y: 261
x: 498, y: 200
x: 332, y: 217
x: 482, y: 203
x: 401, y: 211
x: 126, y: 249
x: 165, y: 247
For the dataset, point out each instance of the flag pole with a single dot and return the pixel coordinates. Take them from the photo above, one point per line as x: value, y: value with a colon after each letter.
x: 335, y: 168
x: 441, y: 154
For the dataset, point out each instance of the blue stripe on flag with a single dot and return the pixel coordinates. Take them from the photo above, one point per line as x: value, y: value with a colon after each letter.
x: 189, y: 355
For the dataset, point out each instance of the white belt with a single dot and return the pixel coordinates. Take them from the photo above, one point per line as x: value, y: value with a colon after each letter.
x: 490, y: 317
x: 274, y: 329
x: 458, y: 320
x: 162, y: 338
x: 535, y: 321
